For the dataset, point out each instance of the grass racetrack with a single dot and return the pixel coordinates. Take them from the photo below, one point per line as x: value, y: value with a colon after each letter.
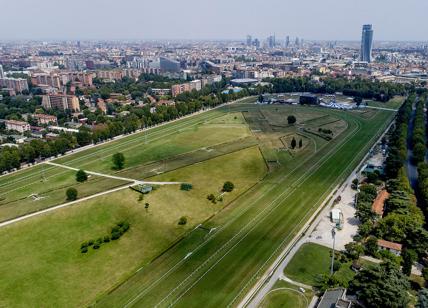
x: 252, y: 232
x: 218, y: 255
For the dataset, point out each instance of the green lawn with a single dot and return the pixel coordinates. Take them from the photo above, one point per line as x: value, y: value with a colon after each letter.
x: 310, y: 261
x: 159, y: 143
x: 40, y: 260
x: 284, y: 298
x: 393, y: 103
x: 215, y: 264
x: 252, y: 231
x: 286, y: 295
x: 44, y: 186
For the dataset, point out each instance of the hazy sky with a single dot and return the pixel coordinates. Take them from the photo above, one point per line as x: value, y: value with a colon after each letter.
x: 215, y: 19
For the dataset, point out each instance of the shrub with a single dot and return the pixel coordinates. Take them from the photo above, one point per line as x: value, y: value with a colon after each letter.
x: 228, y: 186
x: 115, y: 235
x: 336, y: 265
x: 96, y: 246
x: 84, y: 250
x: 182, y: 221
x: 84, y: 245
x: 211, y: 197
x: 71, y: 194
x: 186, y: 186
x: 106, y: 239
x: 90, y: 242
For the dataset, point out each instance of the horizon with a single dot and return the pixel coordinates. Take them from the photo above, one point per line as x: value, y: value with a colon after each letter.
x: 167, y: 20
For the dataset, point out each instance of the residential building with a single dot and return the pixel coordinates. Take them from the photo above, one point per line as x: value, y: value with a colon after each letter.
x: 45, y: 118
x: 16, y: 84
x: 366, y: 43
x: 196, y: 85
x: 60, y: 101
x: 46, y: 79
x: 392, y: 247
x: 19, y: 126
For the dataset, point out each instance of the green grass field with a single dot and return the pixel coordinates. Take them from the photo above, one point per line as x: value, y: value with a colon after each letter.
x: 310, y: 261
x: 56, y: 265
x: 253, y: 230
x: 161, y: 263
x: 44, y: 186
x: 393, y: 103
x: 286, y: 295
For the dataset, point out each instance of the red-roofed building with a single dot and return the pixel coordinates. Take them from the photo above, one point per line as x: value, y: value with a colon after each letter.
x: 395, y: 248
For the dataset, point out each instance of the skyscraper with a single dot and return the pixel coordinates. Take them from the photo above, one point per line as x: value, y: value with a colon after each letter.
x: 287, y: 41
x: 271, y: 41
x: 366, y: 43
x: 1, y: 72
x: 249, y: 40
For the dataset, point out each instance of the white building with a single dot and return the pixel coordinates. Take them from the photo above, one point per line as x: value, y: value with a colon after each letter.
x: 19, y: 126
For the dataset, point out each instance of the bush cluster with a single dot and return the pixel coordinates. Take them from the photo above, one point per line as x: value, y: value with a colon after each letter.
x: 186, y: 186
x: 325, y: 131
x: 116, y: 232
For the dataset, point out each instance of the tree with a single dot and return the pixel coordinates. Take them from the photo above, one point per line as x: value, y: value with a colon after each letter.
x: 146, y: 206
x: 118, y: 161
x: 358, y: 100
x: 409, y: 256
x: 354, y: 250
x: 81, y: 176
x: 381, y: 286
x: 228, y: 186
x: 300, y: 143
x: 419, y: 152
x: 293, y: 143
x: 422, y: 299
x: 371, y: 245
x: 71, y: 194
x: 291, y: 119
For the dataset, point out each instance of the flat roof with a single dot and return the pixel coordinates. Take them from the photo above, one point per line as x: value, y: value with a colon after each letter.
x: 244, y: 80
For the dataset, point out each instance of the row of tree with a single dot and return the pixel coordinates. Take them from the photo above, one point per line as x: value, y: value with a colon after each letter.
x: 418, y: 138
x: 363, y: 88
x: 397, y: 145
x: 387, y: 284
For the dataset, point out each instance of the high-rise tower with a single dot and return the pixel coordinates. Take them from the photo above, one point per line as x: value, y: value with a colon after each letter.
x: 366, y: 43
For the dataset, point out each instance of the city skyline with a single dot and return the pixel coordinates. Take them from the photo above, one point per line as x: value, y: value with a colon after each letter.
x: 166, y: 20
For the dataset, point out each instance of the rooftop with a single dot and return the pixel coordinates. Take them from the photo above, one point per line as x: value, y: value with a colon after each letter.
x: 389, y: 245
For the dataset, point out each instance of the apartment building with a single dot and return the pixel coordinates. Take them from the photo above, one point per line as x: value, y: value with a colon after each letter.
x: 60, y: 101
x: 19, y: 126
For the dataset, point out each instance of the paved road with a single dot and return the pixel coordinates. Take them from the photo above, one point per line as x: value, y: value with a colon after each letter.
x: 412, y: 170
x: 380, y: 108
x: 113, y: 176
